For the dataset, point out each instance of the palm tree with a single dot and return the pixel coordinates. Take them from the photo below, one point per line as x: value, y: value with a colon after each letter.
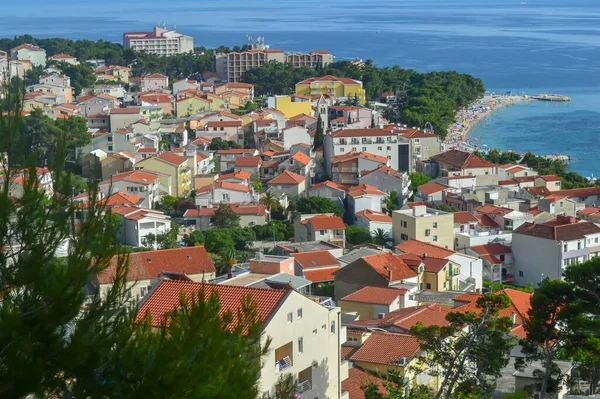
x: 380, y: 237
x: 269, y: 200
x: 227, y: 260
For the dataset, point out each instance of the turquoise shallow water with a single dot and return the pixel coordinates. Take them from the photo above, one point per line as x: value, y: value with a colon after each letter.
x: 542, y: 46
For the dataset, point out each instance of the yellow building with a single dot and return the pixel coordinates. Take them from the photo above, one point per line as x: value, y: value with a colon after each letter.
x: 192, y: 105
x: 170, y: 164
x: 423, y: 224
x: 344, y: 88
x: 288, y: 107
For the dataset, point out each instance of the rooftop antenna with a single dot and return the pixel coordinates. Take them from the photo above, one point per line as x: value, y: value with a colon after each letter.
x: 428, y: 128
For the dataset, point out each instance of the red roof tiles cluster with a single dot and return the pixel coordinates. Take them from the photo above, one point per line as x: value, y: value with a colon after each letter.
x: 421, y: 248
x: 324, y: 222
x: 376, y: 295
x: 389, y: 266
x: 405, y: 318
x: 172, y: 158
x: 373, y: 216
x: 385, y: 348
x: 330, y: 184
x: 287, y: 178
x: 315, y: 259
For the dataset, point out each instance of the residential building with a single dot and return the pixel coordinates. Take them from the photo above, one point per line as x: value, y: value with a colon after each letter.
x: 388, y: 180
x: 347, y: 168
x: 459, y: 163
x: 231, y: 193
x: 100, y: 165
x: 374, y: 141
x: 232, y: 66
x: 432, y: 193
x: 290, y: 108
x: 329, y: 189
x: 422, y: 145
x: 143, y: 183
x: 559, y: 205
x: 305, y: 336
x: 137, y: 223
x: 364, y: 197
x: 316, y: 266
x: 342, y: 88
x: 295, y: 135
x: 117, y: 72
x: 159, y: 41
x: 298, y: 163
x: 551, y: 182
x: 373, y: 302
x: 28, y: 52
x: 157, y: 99
x: 384, y: 270
x: 323, y: 227
x: 227, y: 158
x: 498, y: 262
x: 250, y: 215
x: 96, y: 106
x: 147, y: 268
x: 374, y: 221
x: 586, y: 195
x: 288, y: 183
x: 225, y: 130
x: 192, y: 105
x: 424, y: 224
x: 544, y: 250
x: 510, y: 171
x: 120, y: 118
x: 173, y: 165
x: 69, y: 59
x: 401, y: 320
x: 244, y: 90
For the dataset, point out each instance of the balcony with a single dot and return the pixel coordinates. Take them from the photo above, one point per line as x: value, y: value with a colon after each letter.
x: 283, y: 364
x: 304, y: 386
x: 284, y: 357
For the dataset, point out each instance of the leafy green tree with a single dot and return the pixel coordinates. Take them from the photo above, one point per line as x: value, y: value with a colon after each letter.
x: 395, y: 386
x: 256, y: 184
x: 392, y: 202
x: 544, y: 336
x: 269, y: 201
x: 166, y: 240
x: 81, y: 75
x: 313, y: 205
x: 380, y: 237
x: 446, y: 208
x: 194, y: 238
x: 218, y: 240
x: 470, y: 350
x: 417, y: 179
x: 582, y: 318
x: 167, y: 204
x: 225, y: 217
x: 319, y: 135
x: 357, y: 235
x: 220, y: 144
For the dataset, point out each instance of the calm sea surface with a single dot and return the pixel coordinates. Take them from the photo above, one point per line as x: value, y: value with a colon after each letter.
x: 530, y: 46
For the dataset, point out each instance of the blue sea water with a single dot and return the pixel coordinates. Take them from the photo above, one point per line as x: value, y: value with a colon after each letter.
x: 528, y: 46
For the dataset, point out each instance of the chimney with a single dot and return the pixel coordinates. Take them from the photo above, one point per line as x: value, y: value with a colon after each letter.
x: 424, y: 255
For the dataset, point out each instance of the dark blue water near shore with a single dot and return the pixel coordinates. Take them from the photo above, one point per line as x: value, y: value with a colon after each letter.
x: 539, y: 46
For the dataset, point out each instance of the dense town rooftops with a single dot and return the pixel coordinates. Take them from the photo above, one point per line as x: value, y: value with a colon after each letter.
x: 361, y: 133
x: 405, y: 318
x: 432, y: 188
x: 125, y: 111
x: 374, y: 216
x: 364, y: 189
x: 136, y: 176
x: 463, y: 217
x: 330, y: 184
x: 461, y: 160
x: 247, y: 162
x: 231, y: 186
x: 355, y: 155
x: 287, y: 178
x: 560, y: 229
x: 389, y: 266
x: 224, y: 124
x: 172, y: 158
x: 325, y: 222
x: 385, y: 348
x: 239, y: 209
x: 491, y: 252
x: 422, y: 248
x: 315, y: 259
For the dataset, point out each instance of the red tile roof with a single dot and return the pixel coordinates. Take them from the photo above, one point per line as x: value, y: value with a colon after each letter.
x: 385, y: 348
x: 418, y: 134
x: 434, y: 265
x: 420, y: 248
x: 122, y: 111
x: 357, y: 379
x: 224, y: 124
x: 156, y: 76
x: 389, y: 266
x: 231, y: 186
x: 374, y: 216
x: 493, y: 210
x: 240, y: 209
x: 315, y: 259
x: 548, y: 178
x: 149, y: 264
x: 520, y: 304
x: 324, y: 222
x: 241, y: 175
x: 578, y: 192
x: 29, y: 47
x: 329, y: 78
x: 120, y: 198
x: 486, y: 221
x: 354, y: 155
x: 461, y: 160
x: 321, y: 274
x: 330, y: 184
x: 364, y: 189
x: 432, y: 188
x: 165, y: 298
x: 405, y: 318
x: 237, y: 151
x: 302, y: 158
x: 172, y: 158
x: 136, y: 176
x: 287, y: 178
x: 247, y: 162
x: 376, y: 295
x: 559, y: 229
x: 464, y: 217
x: 538, y: 191
x: 589, y: 211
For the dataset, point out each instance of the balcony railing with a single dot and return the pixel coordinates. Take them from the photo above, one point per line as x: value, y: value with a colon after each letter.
x: 303, y: 386
x: 283, y: 364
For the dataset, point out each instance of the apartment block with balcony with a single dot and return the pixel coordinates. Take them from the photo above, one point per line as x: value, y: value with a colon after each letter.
x: 173, y: 165
x: 143, y: 183
x: 159, y: 41
x: 381, y: 142
x: 347, y: 168
x: 305, y: 335
x: 424, y: 224
x: 342, y: 88
x: 544, y: 250
x: 498, y: 261
x: 422, y: 145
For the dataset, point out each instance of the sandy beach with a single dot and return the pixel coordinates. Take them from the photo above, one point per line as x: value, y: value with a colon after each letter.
x: 470, y: 116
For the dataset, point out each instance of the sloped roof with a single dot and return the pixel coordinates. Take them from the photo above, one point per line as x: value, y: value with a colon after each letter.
x: 165, y: 298
x: 519, y: 304
x: 364, y: 189
x: 241, y: 175
x: 374, y: 216
x: 231, y: 186
x: 315, y: 259
x: 464, y: 217
x: 361, y: 133
x: 325, y: 222
x: 461, y: 160
x: 320, y: 274
x: 357, y: 379
x: 149, y: 264
x: 384, y: 348
x: 301, y: 157
x: 432, y: 188
x: 376, y: 295
x: 578, y: 192
x: 135, y: 176
x: 172, y: 158
x: 287, y: 177
x: 421, y: 248
x: 559, y: 229
x: 389, y: 266
x: 330, y: 184
x: 405, y: 318
x: 247, y: 162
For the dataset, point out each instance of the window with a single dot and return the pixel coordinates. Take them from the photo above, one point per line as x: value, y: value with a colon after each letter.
x: 421, y: 286
x: 560, y: 204
x: 565, y: 248
x: 364, y: 149
x: 565, y: 262
x: 332, y: 330
x: 290, y: 316
x: 341, y: 149
x: 353, y: 148
x: 389, y: 148
x: 578, y: 244
x: 110, y: 148
x: 596, y: 240
x: 143, y: 291
x: 416, y: 140
x: 109, y: 138
x: 427, y: 232
x: 520, y: 273
x: 322, y: 232
x: 444, y: 284
x: 404, y: 237
x: 435, y: 225
x: 299, y: 313
x: 428, y: 286
x: 300, y: 345
x: 315, y: 331
x: 323, y: 327
x: 222, y: 129
x: 435, y: 238
x: 379, y: 148
x: 389, y: 157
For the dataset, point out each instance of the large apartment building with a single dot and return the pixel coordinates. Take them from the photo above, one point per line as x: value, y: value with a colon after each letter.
x: 159, y: 41
x: 423, y: 224
x: 231, y: 66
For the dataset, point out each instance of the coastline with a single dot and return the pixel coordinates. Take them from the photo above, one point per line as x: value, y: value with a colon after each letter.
x: 472, y: 115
